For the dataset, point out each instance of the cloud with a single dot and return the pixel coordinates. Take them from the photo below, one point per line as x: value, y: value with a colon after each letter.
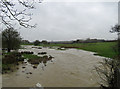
x: 67, y: 21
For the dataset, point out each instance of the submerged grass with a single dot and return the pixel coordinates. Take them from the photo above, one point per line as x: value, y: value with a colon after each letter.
x: 30, y: 56
x: 10, y: 61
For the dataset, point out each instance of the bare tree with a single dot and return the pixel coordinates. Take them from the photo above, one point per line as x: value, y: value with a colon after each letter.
x: 116, y: 29
x: 109, y: 68
x: 9, y: 12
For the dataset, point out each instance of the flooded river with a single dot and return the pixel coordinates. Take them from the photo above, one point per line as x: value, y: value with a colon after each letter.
x: 69, y: 68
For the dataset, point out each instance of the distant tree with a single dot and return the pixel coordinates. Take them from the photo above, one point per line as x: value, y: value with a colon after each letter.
x: 44, y: 42
x: 88, y: 39
x: 10, y: 39
x: 25, y: 42
x: 77, y: 41
x: 37, y: 42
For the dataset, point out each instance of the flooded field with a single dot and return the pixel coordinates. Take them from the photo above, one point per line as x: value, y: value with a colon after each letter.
x: 68, y: 68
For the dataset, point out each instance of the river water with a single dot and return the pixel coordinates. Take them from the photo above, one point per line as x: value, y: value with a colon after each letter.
x: 69, y: 68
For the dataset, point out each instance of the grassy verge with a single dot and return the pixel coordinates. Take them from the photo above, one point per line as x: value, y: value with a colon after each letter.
x: 105, y: 49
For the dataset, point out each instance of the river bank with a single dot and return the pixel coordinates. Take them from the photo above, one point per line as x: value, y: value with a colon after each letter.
x: 106, y: 49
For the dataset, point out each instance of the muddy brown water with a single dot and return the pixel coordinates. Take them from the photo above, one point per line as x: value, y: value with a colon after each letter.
x: 70, y: 68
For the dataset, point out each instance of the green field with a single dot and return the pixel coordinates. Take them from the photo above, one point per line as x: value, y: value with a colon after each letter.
x: 106, y: 49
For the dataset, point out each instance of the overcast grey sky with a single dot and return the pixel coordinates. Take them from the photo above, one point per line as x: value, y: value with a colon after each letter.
x: 70, y: 20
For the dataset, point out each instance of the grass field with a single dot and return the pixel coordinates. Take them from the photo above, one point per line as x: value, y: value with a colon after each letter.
x: 106, y: 49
